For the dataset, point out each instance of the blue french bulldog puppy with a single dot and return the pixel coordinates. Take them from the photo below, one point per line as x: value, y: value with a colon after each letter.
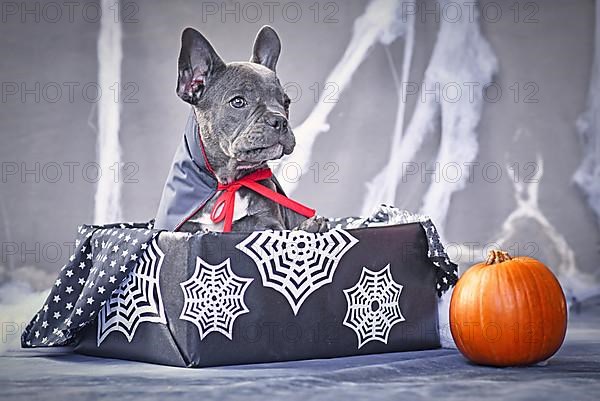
x: 219, y: 180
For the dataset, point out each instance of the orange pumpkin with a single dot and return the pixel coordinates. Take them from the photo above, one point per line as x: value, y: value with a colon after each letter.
x: 508, y: 311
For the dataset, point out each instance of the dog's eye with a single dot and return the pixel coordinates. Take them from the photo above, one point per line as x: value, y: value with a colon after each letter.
x: 238, y: 102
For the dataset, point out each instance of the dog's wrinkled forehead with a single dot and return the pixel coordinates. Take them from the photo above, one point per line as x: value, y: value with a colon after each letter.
x: 252, y: 81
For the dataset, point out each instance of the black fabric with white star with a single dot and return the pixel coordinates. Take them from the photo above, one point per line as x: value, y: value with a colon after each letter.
x: 445, y: 270
x: 103, y: 258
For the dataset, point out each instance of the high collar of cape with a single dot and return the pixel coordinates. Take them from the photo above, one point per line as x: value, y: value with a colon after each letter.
x: 191, y: 181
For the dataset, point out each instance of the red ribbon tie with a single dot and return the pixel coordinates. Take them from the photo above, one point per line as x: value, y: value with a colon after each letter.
x: 225, y: 204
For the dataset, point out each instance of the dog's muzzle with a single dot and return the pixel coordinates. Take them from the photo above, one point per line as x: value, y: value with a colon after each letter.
x: 268, y: 138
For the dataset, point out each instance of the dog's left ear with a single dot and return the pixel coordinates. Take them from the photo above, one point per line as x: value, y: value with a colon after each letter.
x: 267, y: 47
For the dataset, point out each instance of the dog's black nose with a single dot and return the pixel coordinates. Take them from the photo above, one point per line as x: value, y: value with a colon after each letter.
x: 278, y: 122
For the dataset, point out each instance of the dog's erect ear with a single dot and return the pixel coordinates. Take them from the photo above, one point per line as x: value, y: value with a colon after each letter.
x: 197, y: 62
x: 267, y: 47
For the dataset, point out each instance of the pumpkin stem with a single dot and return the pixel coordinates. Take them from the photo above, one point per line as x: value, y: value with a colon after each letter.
x: 497, y: 256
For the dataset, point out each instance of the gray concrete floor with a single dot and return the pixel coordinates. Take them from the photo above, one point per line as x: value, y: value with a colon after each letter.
x: 572, y: 374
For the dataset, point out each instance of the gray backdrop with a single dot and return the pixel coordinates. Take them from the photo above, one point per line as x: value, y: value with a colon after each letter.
x: 546, y: 50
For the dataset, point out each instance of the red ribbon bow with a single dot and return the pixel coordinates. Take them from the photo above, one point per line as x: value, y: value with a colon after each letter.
x: 223, y: 208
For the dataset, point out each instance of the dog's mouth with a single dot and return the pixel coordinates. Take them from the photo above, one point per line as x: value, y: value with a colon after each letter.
x: 260, y: 154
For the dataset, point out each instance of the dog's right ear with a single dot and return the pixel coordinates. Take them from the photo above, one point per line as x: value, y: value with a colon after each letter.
x: 267, y: 47
x: 197, y: 62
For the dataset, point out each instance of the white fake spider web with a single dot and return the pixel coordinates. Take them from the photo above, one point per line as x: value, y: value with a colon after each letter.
x: 137, y: 300
x: 297, y: 263
x: 214, y: 298
x: 373, y: 306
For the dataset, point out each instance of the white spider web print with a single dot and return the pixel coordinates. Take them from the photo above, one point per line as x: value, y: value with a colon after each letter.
x: 373, y: 305
x: 214, y: 298
x: 137, y: 300
x: 297, y: 263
